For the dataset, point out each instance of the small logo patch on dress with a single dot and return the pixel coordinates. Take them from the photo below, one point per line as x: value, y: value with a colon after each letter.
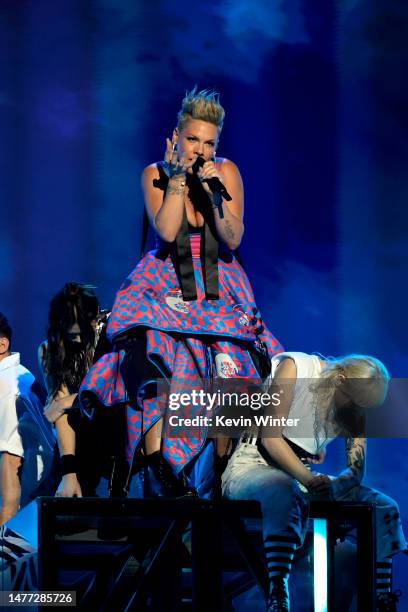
x: 225, y: 366
x: 174, y: 300
x: 243, y: 318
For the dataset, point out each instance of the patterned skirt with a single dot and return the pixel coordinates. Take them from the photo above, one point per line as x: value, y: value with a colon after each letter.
x: 180, y: 341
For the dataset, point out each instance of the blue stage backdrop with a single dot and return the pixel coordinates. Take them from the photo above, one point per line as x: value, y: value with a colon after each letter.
x: 316, y: 98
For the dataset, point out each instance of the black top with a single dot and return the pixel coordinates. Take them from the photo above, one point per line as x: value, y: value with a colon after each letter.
x: 194, y: 230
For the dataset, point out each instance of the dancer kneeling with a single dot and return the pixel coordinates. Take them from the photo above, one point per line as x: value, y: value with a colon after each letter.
x: 276, y: 470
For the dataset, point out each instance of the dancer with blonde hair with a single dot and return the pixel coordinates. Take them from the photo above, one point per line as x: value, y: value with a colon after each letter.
x: 329, y: 397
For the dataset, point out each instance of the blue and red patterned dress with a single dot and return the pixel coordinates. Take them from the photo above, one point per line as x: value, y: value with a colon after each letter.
x: 189, y: 310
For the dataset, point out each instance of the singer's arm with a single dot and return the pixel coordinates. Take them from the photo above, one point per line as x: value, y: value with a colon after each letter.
x: 165, y: 215
x: 230, y: 228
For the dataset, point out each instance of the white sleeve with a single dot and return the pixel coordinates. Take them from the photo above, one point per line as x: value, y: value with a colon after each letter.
x: 10, y: 440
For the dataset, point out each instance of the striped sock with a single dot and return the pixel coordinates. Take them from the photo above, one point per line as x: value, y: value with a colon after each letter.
x: 279, y: 551
x: 383, y: 576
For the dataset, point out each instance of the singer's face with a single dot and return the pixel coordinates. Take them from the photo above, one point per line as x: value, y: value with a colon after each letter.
x: 197, y: 138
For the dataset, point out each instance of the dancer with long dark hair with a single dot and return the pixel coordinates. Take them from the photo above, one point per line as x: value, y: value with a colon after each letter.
x: 75, y: 325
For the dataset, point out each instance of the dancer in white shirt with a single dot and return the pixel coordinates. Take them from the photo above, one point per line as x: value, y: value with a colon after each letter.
x: 26, y: 438
x: 329, y: 396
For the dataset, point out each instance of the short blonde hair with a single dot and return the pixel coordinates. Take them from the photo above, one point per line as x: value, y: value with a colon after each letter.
x: 203, y: 105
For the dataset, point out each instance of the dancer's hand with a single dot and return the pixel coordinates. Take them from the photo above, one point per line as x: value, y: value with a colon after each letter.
x: 321, y: 457
x: 57, y: 407
x: 321, y: 485
x: 175, y: 166
x: 69, y: 487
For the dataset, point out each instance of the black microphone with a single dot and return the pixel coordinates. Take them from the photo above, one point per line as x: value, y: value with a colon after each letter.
x: 214, y: 183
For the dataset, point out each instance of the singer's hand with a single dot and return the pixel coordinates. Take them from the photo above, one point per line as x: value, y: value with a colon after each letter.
x: 209, y: 170
x: 175, y: 166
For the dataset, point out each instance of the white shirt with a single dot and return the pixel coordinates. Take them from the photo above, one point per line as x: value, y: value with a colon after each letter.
x: 16, y: 383
x: 303, y: 406
x: 12, y: 377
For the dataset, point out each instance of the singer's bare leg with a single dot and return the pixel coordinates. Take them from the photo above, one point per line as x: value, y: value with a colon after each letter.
x: 153, y: 438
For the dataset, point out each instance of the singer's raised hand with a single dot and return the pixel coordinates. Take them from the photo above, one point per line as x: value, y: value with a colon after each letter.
x: 175, y: 166
x: 170, y: 155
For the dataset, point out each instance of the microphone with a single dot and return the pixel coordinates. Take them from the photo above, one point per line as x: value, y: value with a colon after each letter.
x: 214, y: 183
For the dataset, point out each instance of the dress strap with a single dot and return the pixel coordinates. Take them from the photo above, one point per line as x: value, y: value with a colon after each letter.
x: 209, y: 257
x: 209, y: 245
x: 185, y: 262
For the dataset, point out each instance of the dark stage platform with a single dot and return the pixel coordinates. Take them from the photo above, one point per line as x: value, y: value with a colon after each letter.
x: 184, y: 554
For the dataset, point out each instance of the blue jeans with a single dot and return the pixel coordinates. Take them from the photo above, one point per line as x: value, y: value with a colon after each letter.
x: 285, y: 507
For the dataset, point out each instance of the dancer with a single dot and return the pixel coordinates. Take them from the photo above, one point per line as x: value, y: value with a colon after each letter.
x: 187, y: 311
x: 329, y: 397
x: 26, y: 440
x: 74, y: 335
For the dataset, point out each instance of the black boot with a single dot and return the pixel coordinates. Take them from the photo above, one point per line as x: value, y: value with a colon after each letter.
x: 168, y: 484
x: 387, y: 602
x: 278, y: 600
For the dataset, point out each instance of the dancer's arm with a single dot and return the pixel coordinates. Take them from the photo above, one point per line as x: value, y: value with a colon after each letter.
x: 66, y: 442
x: 55, y: 413
x: 348, y: 478
x: 284, y: 383
x: 69, y: 486
x: 356, y: 449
